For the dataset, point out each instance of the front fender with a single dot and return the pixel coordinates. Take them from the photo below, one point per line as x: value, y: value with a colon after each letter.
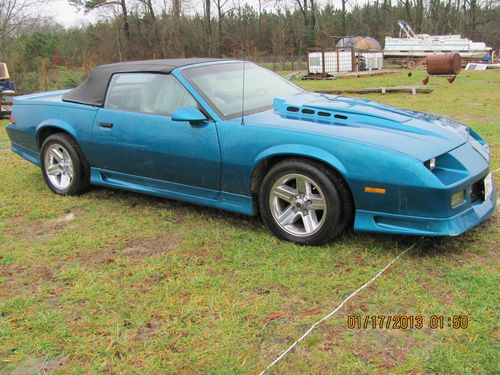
x: 304, y: 151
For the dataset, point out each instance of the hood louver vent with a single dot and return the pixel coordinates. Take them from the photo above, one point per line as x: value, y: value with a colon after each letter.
x: 300, y: 112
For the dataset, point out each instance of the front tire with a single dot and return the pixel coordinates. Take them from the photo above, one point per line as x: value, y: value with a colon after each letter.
x: 64, y: 167
x: 304, y: 202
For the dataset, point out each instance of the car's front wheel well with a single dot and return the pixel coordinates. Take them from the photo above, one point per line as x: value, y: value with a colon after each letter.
x: 262, y: 168
x: 265, y: 165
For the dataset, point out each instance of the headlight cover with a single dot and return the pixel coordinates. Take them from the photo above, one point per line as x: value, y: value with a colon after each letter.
x: 430, y: 164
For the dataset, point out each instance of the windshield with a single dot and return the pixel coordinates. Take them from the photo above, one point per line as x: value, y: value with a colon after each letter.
x: 222, y: 84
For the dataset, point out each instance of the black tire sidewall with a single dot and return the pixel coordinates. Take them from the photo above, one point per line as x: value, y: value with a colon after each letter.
x: 79, y: 182
x: 333, y: 225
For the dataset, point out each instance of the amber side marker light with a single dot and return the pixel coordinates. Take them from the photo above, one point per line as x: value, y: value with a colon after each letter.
x: 369, y: 189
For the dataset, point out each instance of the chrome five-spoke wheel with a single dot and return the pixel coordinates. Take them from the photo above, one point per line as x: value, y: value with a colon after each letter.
x: 304, y: 201
x: 59, y: 166
x: 64, y: 166
x: 298, y: 205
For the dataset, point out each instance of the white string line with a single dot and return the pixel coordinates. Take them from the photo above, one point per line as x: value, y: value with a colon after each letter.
x: 313, y: 327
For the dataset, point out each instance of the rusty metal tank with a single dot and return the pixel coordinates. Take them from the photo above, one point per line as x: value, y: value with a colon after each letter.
x: 444, y: 63
x: 359, y: 43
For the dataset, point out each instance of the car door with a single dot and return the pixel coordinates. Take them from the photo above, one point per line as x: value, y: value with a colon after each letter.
x: 135, y: 141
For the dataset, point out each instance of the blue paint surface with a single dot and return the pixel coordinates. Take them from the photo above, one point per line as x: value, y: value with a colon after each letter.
x: 212, y: 163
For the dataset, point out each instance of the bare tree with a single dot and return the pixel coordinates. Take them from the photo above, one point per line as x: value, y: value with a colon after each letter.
x: 12, y: 16
x: 408, y: 7
x: 344, y: 13
x: 471, y: 16
x: 89, y: 5
x: 208, y: 26
x: 221, y: 12
x: 172, y: 28
x: 151, y: 15
x: 176, y: 43
x: 278, y: 41
x: 419, y: 15
x: 308, y: 9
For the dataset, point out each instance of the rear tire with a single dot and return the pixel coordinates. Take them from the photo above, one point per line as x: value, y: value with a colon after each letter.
x: 64, y: 167
x: 303, y: 201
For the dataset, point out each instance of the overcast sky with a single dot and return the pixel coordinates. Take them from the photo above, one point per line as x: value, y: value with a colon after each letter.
x: 63, y: 13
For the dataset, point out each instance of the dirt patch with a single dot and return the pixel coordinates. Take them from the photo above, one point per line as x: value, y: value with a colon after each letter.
x: 138, y: 248
x: 4, y: 155
x: 332, y: 336
x: 489, y: 259
x: 39, y: 229
x: 38, y: 366
x: 148, y: 330
x: 200, y: 251
x: 19, y: 280
x: 150, y: 247
x: 384, y: 347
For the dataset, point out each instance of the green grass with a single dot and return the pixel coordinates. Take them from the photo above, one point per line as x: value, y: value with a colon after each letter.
x: 117, y: 282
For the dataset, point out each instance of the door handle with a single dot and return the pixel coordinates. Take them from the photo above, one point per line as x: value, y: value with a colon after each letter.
x: 105, y: 124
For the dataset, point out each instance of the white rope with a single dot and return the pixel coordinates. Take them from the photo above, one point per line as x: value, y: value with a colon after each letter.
x: 313, y: 327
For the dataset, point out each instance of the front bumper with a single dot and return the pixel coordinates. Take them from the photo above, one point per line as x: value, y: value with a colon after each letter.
x: 426, y: 226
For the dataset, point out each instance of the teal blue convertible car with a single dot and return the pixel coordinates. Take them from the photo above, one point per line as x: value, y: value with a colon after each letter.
x: 235, y: 136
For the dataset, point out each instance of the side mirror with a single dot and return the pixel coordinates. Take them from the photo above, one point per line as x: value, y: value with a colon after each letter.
x: 191, y: 114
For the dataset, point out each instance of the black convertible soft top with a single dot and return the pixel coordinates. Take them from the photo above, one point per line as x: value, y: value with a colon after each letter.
x: 93, y: 90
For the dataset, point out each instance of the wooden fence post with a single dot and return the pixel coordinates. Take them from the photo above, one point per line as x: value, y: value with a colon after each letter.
x: 43, y: 74
x: 338, y: 60
x: 323, y: 73
x: 307, y: 61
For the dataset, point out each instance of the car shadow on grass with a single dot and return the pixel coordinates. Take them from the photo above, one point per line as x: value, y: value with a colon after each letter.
x: 133, y: 200
x: 422, y: 246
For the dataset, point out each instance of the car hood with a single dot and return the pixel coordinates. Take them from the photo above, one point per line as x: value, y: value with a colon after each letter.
x: 416, y: 134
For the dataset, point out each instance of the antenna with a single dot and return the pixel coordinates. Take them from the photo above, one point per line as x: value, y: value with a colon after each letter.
x: 244, y: 63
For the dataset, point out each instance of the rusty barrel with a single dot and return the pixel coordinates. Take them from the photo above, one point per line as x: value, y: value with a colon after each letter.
x: 444, y: 63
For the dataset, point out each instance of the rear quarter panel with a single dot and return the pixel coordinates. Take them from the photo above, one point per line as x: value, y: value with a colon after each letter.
x: 35, y: 112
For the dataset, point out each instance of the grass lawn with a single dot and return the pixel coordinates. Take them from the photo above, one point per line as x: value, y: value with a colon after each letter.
x: 117, y: 282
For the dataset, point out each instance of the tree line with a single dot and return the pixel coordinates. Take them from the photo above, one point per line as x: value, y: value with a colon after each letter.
x: 145, y: 29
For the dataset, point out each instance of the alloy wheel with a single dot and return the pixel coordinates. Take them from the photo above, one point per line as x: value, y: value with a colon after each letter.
x: 59, y: 166
x: 298, y: 205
